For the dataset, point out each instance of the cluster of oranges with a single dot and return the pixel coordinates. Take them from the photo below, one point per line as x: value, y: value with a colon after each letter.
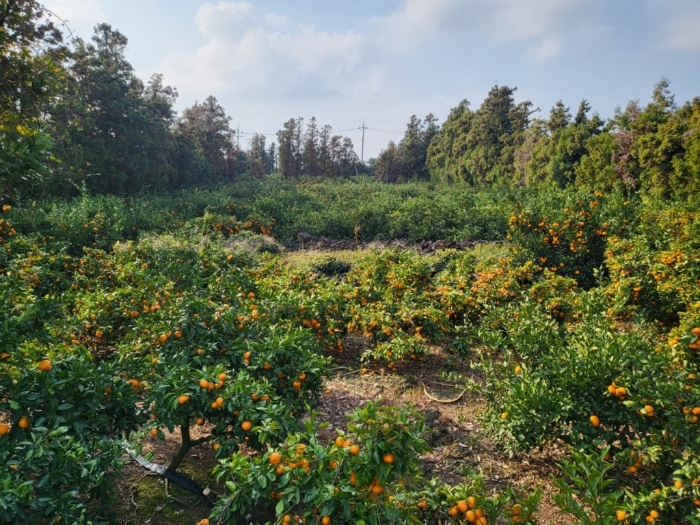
x: 296, y: 460
x: 469, y: 511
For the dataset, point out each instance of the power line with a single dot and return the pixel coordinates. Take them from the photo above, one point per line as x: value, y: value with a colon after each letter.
x: 386, y: 131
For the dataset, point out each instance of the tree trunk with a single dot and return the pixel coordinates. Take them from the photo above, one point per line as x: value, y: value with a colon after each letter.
x: 186, y: 444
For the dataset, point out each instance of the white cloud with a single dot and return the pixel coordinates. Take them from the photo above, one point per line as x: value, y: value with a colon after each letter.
x: 684, y: 33
x: 523, y: 19
x: 500, y: 21
x: 677, y: 23
x: 81, y: 15
x: 415, y: 22
x: 252, y: 53
x: 546, y: 49
x: 215, y: 18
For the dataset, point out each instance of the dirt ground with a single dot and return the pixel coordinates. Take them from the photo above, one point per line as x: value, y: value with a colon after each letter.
x: 456, y: 436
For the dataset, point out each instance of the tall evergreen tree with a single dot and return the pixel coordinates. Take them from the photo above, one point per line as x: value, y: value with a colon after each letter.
x: 287, y: 149
x: 206, y: 127
x: 112, y: 131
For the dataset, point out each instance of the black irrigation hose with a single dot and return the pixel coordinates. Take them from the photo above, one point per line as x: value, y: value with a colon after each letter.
x: 185, y: 482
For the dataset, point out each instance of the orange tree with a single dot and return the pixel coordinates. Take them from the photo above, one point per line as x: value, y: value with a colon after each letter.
x: 369, y: 474
x: 566, y: 232
x: 390, y: 298
x: 59, y: 417
x: 658, y: 268
x: 196, y: 341
x: 596, y: 383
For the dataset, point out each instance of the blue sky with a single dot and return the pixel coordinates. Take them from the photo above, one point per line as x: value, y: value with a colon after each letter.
x: 385, y: 60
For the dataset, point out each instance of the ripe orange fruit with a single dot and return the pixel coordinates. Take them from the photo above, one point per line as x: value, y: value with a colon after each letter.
x: 200, y: 421
x: 471, y: 516
x: 326, y: 520
x: 183, y: 399
x: 247, y: 355
x: 453, y: 512
x: 377, y: 489
x: 504, y: 415
x: 355, y: 449
x: 163, y: 338
x: 649, y: 410
x: 222, y: 377
x: 216, y: 446
x: 275, y: 458
x: 339, y: 441
x: 23, y: 423
x: 621, y: 515
x: 620, y: 391
x: 297, y: 385
x: 153, y: 432
x: 471, y: 501
x: 220, y: 401
x: 302, y: 376
x: 98, y: 334
x: 462, y: 505
x: 518, y: 370
x: 4, y: 429
x: 44, y: 365
x: 595, y: 420
x: 389, y: 459
x: 481, y: 520
x: 203, y: 383
x: 696, y: 331
x: 246, y: 426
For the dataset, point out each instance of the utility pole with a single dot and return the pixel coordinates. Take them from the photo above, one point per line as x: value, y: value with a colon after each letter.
x: 363, y: 128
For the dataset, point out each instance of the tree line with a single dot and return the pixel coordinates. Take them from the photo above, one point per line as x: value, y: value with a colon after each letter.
x: 653, y: 149
x: 75, y: 116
